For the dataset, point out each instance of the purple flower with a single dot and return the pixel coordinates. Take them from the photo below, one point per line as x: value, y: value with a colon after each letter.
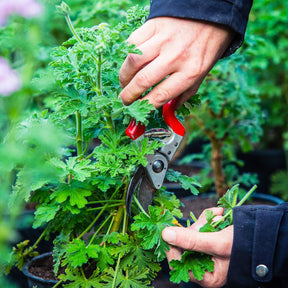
x: 25, y: 8
x: 9, y: 79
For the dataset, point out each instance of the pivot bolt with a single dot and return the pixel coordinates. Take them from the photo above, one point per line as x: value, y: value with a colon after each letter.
x: 158, y: 166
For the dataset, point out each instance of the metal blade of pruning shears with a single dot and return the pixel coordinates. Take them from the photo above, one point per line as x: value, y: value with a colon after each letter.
x: 146, y: 180
x: 141, y: 185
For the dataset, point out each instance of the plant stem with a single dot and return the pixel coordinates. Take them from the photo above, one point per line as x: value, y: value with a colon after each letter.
x: 140, y: 206
x: 106, y: 201
x: 116, y: 272
x: 98, y: 61
x: 99, y: 214
x: 99, y: 74
x: 58, y: 283
x: 117, y: 219
x: 247, y: 195
x: 72, y: 29
x: 119, y: 256
x: 217, y: 166
x: 93, y: 222
x: 99, y: 208
x: 40, y: 237
x: 99, y: 229
x: 79, y: 132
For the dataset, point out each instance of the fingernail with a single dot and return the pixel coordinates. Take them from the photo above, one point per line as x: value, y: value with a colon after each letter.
x: 169, y: 235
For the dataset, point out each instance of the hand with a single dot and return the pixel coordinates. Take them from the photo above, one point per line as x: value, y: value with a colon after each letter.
x: 217, y: 244
x: 185, y: 50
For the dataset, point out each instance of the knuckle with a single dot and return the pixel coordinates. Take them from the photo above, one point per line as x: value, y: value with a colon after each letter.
x: 133, y: 60
x: 143, y: 81
x: 191, y: 241
x: 161, y: 96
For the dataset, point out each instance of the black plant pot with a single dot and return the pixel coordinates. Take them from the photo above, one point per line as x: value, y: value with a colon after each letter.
x: 34, y: 281
x: 26, y: 232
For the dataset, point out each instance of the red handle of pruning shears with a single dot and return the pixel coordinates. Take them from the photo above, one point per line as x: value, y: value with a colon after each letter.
x: 135, y: 130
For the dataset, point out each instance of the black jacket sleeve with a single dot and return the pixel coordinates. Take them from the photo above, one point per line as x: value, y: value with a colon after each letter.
x: 260, y: 248
x: 232, y: 13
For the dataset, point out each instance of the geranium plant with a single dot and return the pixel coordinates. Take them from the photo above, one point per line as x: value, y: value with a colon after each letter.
x: 83, y: 201
x: 229, y: 120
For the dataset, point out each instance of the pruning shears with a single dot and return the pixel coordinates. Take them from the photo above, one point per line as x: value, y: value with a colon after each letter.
x: 146, y: 180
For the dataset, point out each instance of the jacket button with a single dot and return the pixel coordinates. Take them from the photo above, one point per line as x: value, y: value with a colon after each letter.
x: 262, y: 270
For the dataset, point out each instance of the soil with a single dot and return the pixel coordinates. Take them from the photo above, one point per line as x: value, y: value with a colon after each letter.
x: 43, y: 268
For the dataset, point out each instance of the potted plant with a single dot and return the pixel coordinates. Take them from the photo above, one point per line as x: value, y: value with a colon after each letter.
x: 228, y: 119
x: 83, y: 200
x: 266, y: 50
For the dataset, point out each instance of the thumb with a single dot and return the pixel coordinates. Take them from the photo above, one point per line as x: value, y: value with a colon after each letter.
x: 213, y: 243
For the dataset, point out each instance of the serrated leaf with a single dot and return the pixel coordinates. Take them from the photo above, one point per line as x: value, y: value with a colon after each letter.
x: 139, y: 110
x: 150, y: 227
x: 75, y: 192
x: 185, y: 181
x: 229, y: 199
x: 44, y: 214
x: 104, y: 182
x: 75, y: 279
x: 76, y: 253
x: 80, y: 169
x: 168, y: 200
x: 197, y: 263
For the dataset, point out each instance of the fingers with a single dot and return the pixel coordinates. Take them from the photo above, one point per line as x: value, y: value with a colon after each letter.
x: 177, y: 53
x: 135, y: 62
x: 217, y: 278
x: 142, y: 34
x: 213, y: 243
x: 173, y: 254
x: 217, y: 211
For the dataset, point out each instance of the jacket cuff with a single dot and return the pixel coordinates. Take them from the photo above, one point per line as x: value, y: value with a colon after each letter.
x: 256, y: 230
x: 232, y: 13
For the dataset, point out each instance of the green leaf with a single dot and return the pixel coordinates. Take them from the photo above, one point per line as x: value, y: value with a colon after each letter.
x: 75, y: 279
x: 80, y: 169
x: 197, y: 263
x: 229, y: 199
x: 150, y: 229
x: 139, y: 110
x: 44, y: 214
x: 208, y: 226
x: 185, y: 181
x: 75, y: 192
x: 104, y: 182
x: 134, y: 278
x: 168, y: 200
x: 76, y: 254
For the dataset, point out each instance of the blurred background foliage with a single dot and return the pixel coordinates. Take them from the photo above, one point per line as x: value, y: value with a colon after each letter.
x: 257, y: 76
x: 27, y: 136
x: 259, y: 69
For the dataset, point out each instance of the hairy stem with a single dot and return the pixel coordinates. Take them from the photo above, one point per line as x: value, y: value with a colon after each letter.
x: 118, y: 219
x: 99, y: 74
x: 72, y: 29
x: 79, y: 134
